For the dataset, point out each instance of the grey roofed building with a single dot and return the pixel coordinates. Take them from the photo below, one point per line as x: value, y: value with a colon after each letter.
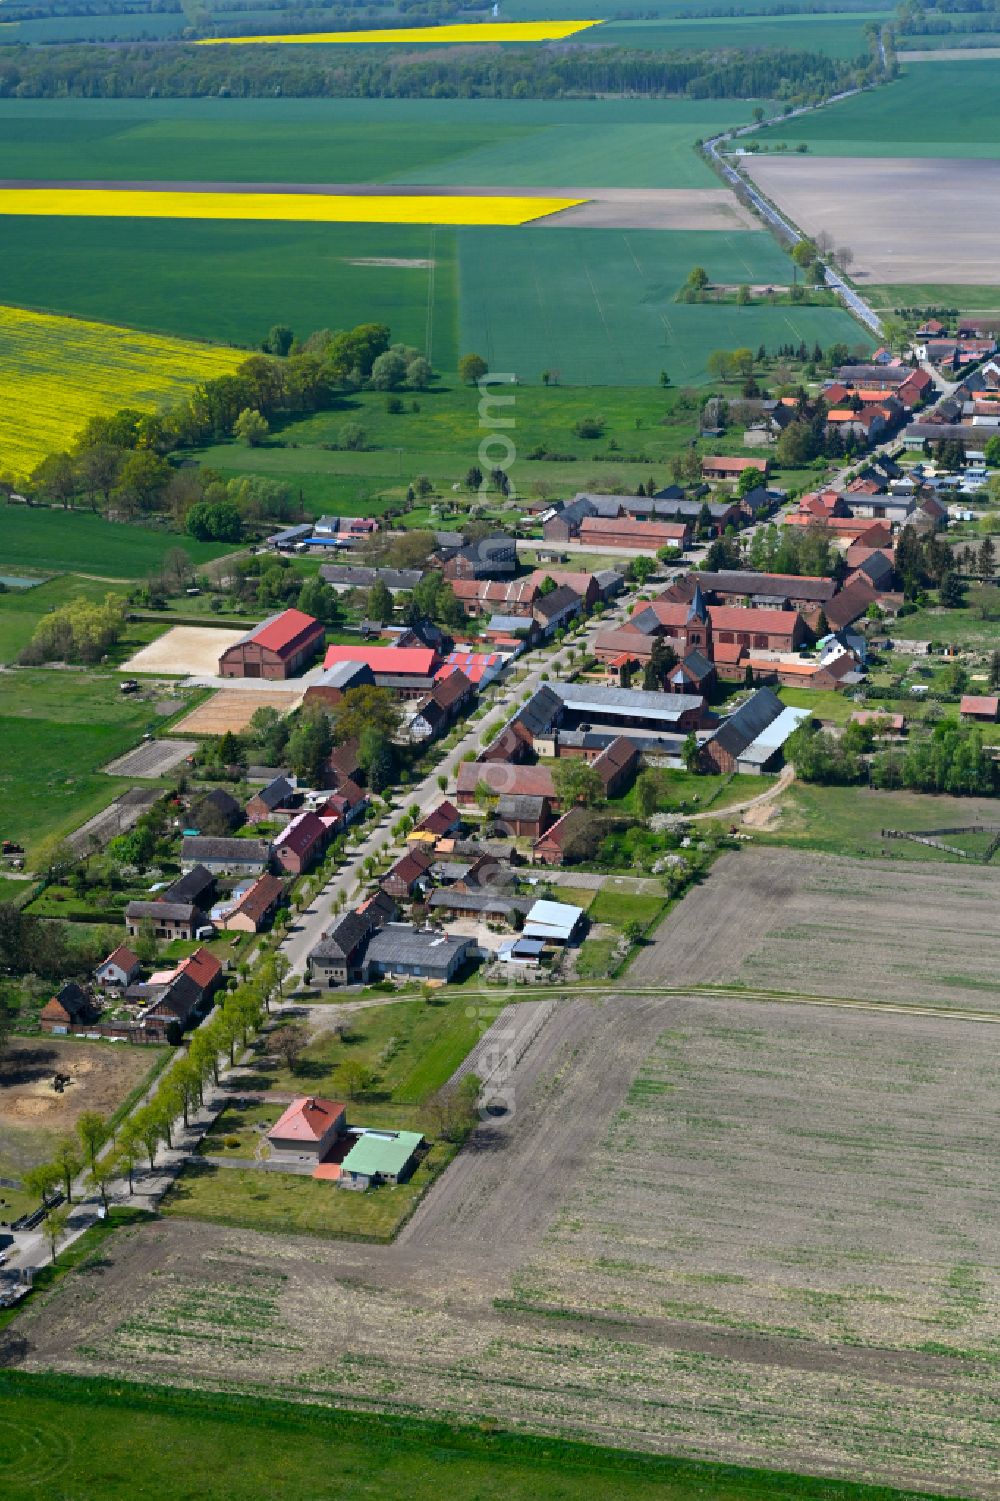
x: 343, y: 675
x: 290, y: 535
x: 190, y: 887
x: 767, y: 746
x: 343, y: 938
x: 520, y: 806
x: 557, y: 604
x: 396, y: 580
x: 399, y: 949
x: 275, y: 793
x: 481, y: 902
x: 542, y: 708
x: 750, y: 720
x: 222, y: 854
x: 183, y: 912
x: 182, y: 996
x: 449, y: 539
x: 584, y: 698
x: 222, y: 801
x: 769, y: 585
x: 609, y: 581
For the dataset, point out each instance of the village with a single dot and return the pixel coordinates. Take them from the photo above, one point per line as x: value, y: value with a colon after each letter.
x: 421, y: 808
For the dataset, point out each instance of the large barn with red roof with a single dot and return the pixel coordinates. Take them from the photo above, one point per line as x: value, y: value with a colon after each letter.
x: 279, y: 647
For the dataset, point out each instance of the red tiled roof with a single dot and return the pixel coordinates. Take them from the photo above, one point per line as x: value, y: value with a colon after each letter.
x: 439, y: 820
x: 973, y: 703
x: 301, y: 834
x: 261, y: 897
x: 416, y: 660
x: 286, y: 632
x: 201, y: 967
x: 599, y: 527
x: 504, y: 777
x: 772, y: 622
x: 122, y: 956
x: 737, y: 465
x: 307, y: 1119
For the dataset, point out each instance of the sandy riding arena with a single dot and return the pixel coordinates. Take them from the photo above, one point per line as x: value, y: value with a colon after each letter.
x: 186, y: 651
x: 230, y: 709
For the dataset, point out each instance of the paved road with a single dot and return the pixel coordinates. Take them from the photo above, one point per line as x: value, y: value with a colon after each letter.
x: 310, y: 925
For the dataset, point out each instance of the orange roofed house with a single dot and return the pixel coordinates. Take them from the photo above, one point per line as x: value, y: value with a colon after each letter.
x: 720, y: 467
x: 279, y: 647
x: 308, y: 1128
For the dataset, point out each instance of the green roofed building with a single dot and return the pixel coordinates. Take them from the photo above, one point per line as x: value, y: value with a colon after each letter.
x: 380, y: 1157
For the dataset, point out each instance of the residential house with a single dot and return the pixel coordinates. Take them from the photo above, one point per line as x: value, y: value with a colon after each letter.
x: 490, y: 596
x: 586, y: 585
x: 301, y: 843
x: 167, y: 919
x: 119, y: 969
x: 555, y: 845
x: 491, y: 557
x: 338, y: 957
x: 554, y: 611
x: 722, y: 467
x: 409, y: 871
x: 437, y: 824
x: 279, y: 647
x: 256, y: 907
x: 308, y: 1128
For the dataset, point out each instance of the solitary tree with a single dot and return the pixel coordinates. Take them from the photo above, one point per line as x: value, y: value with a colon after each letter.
x: 251, y: 427
x: 471, y: 368
x: 55, y: 1228
x: 91, y: 1130
x: 67, y: 1159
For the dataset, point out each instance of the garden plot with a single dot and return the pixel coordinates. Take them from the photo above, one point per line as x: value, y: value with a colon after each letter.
x: 156, y: 758
x: 814, y: 924
x: 764, y: 1234
x: 184, y: 651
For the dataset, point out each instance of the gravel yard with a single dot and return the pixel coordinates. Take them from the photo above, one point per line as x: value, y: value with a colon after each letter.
x: 186, y: 650
x: 155, y: 758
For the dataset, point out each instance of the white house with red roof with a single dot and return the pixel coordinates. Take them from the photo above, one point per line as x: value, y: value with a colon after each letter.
x: 279, y: 647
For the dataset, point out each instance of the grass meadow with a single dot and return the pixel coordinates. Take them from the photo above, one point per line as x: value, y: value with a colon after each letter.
x: 835, y: 35
x: 69, y: 541
x: 56, y: 730
x: 287, y: 1452
x: 925, y: 112
x: 22, y: 609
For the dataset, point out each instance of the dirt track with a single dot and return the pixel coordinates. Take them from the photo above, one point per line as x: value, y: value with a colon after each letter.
x: 898, y: 215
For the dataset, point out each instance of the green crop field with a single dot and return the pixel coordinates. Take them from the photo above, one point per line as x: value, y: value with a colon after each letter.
x: 478, y: 142
x: 968, y: 299
x: 836, y: 36
x: 76, y: 541
x: 287, y: 1452
x: 597, y: 305
x: 932, y: 109
x: 56, y: 730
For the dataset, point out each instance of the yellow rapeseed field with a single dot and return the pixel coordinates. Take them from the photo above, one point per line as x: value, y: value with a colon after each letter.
x: 59, y: 372
x: 486, y: 31
x: 360, y: 208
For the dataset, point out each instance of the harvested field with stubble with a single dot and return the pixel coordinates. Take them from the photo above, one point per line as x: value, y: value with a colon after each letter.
x: 757, y: 1233
x: 814, y: 924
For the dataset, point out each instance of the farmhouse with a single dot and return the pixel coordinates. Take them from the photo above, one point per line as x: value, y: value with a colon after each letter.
x: 440, y: 821
x: 724, y: 468
x: 781, y: 590
x: 406, y: 671
x: 235, y: 857
x: 648, y: 536
x: 167, y: 919
x: 337, y: 958
x: 256, y: 907
x: 308, y: 1127
x: 399, y: 951
x: 411, y: 868
x: 279, y: 647
x: 119, y: 969
x: 489, y: 597
x: 300, y: 843
x: 556, y: 609
x: 380, y: 1157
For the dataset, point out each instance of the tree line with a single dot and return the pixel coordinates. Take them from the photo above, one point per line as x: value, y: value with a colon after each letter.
x: 177, y: 70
